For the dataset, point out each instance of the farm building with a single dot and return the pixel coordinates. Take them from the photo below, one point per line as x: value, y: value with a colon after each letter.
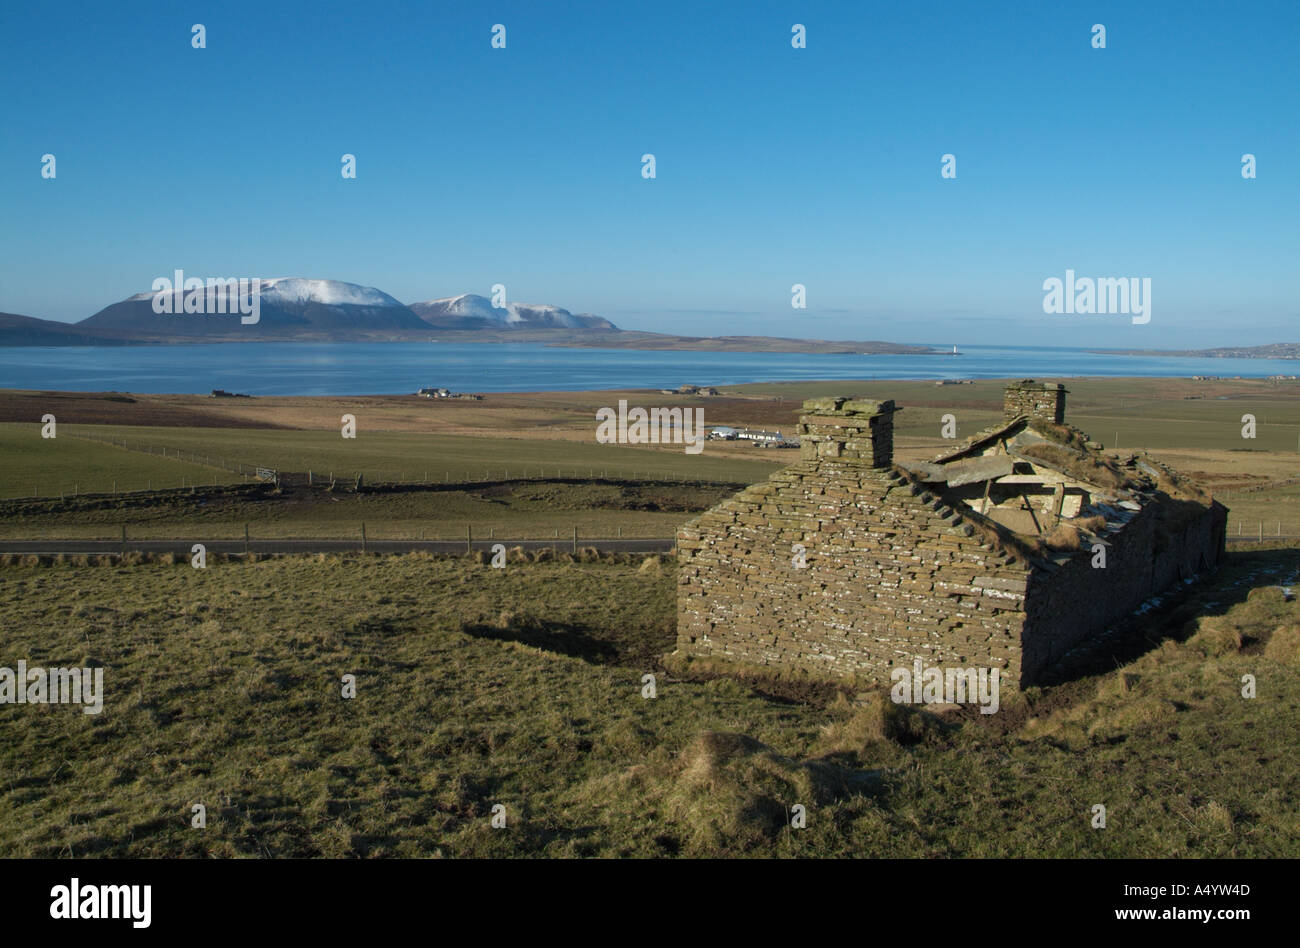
x: 1007, y: 552
x: 751, y: 434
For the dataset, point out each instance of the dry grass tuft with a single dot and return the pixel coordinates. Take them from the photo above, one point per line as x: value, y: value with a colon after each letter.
x: 734, y: 789
x: 1066, y: 537
x: 1215, y: 637
x: 1284, y: 645
x: 1084, y: 465
x: 859, y: 727
x: 1093, y: 524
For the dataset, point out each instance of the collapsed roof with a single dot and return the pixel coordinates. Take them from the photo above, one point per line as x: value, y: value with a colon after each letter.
x: 1050, y: 486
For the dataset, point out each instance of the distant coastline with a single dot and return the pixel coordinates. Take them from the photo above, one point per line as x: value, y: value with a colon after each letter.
x: 1273, y: 350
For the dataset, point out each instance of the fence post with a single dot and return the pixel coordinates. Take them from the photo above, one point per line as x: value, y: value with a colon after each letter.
x: 469, y: 539
x: 363, y: 536
x: 124, y: 539
x: 309, y: 477
x: 245, y: 539
x: 575, y: 538
x: 1261, y: 531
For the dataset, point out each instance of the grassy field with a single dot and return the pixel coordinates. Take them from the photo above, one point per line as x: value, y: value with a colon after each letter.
x: 405, y: 456
x: 1193, y: 425
x: 523, y: 687
x: 47, y: 467
x: 516, y: 510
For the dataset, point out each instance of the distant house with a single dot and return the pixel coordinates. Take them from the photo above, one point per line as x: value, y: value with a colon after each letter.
x: 707, y: 390
x: 435, y: 393
x: 723, y: 433
x: 222, y: 393
x: 687, y: 389
x: 749, y: 434
x: 667, y: 391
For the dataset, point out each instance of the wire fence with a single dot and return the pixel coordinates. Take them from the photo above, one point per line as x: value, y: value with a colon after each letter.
x: 1260, y: 530
x: 359, y: 533
x: 247, y: 472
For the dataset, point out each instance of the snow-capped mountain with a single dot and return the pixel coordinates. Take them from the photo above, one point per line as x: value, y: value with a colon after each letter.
x: 292, y: 305
x: 289, y: 290
x: 471, y: 311
x: 311, y: 310
x: 296, y: 291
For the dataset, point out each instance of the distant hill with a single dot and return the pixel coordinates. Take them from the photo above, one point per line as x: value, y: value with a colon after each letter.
x: 1272, y: 350
x: 288, y: 308
x: 300, y: 310
x: 18, y: 330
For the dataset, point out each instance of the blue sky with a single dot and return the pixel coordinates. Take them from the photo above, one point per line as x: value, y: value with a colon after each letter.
x: 775, y: 166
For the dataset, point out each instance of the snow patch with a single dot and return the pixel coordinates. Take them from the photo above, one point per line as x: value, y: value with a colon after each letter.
x: 325, y: 292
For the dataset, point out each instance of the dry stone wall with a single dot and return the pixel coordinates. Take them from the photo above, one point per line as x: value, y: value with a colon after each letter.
x: 891, y: 575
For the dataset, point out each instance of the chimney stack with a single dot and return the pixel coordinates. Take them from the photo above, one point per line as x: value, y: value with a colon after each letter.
x: 851, y: 429
x: 1042, y: 400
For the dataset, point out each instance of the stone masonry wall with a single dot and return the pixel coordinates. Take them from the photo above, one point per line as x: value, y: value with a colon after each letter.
x: 1074, y: 601
x: 1036, y: 399
x: 891, y: 575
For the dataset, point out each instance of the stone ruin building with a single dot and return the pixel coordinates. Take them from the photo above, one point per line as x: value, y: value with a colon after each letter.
x: 847, y: 564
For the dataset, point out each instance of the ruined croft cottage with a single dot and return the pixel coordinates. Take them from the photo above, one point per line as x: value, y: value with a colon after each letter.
x: 1009, y: 551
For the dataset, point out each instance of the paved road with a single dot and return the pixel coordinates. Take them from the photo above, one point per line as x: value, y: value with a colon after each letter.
x: 87, y: 547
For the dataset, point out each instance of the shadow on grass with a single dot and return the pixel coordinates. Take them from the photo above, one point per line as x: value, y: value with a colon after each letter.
x: 559, y: 637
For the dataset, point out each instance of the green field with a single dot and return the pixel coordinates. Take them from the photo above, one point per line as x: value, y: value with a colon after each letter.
x: 531, y: 510
x: 1201, y: 436
x: 1130, y: 413
x: 47, y: 467
x: 523, y: 687
x: 394, y: 456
